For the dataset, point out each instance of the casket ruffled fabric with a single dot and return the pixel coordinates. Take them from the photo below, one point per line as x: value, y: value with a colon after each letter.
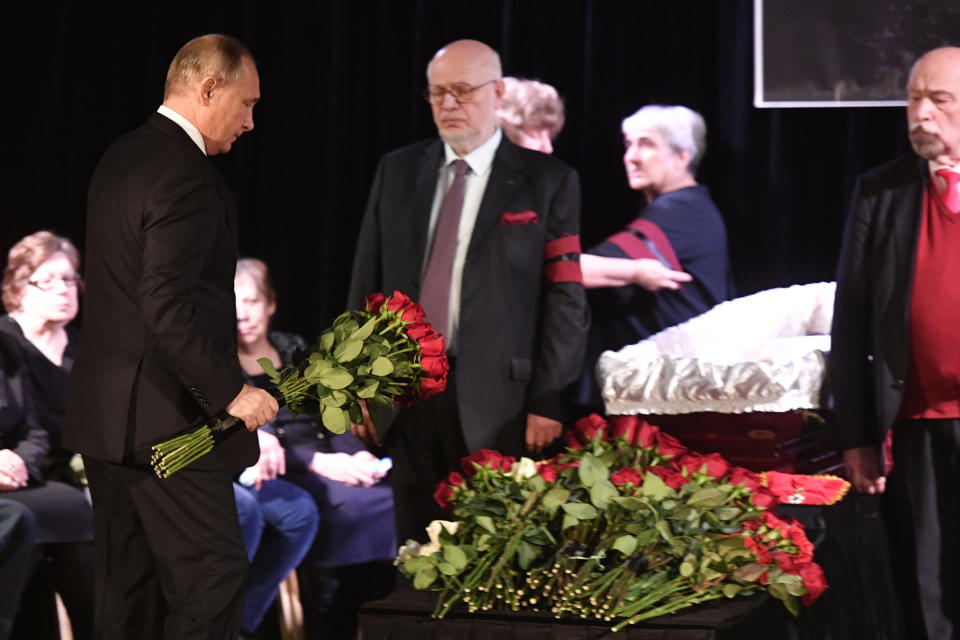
x: 762, y: 352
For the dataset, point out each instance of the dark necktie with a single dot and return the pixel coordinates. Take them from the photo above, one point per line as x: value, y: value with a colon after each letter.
x: 950, y: 197
x: 435, y: 291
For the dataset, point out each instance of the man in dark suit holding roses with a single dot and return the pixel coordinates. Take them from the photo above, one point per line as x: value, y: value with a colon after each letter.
x: 484, y: 235
x: 159, y: 354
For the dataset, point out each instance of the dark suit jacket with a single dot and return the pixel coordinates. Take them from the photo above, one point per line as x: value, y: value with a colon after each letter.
x: 159, y: 323
x: 870, y: 338
x: 521, y: 336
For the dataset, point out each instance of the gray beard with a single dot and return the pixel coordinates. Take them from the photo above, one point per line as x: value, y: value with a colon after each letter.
x: 926, y: 146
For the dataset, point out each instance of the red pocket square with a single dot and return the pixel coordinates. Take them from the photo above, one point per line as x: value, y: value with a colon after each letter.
x: 522, y: 217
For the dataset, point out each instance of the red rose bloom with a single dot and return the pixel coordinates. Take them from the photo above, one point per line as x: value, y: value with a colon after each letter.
x: 749, y: 479
x: 625, y: 428
x: 571, y: 440
x: 431, y: 387
x: 374, y: 301
x: 668, y: 446
x: 764, y: 498
x: 417, y: 330
x: 713, y: 464
x: 398, y: 301
x: 443, y: 494
x: 814, y: 581
x: 672, y: 479
x: 547, y: 472
x: 435, y: 367
x: 627, y: 475
x: 588, y: 426
x: 413, y: 312
x: 432, y: 344
x: 487, y: 458
x: 647, y: 435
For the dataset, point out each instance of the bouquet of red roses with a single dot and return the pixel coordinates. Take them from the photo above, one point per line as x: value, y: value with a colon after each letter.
x: 383, y: 354
x: 626, y: 525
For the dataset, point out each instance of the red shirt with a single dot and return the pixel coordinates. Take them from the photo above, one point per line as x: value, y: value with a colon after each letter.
x: 933, y: 377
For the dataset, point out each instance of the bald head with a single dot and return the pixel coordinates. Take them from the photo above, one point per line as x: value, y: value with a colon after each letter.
x: 933, y: 105
x: 465, y: 85
x: 468, y: 53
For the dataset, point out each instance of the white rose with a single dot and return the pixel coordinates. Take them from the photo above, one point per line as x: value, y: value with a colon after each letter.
x: 525, y: 468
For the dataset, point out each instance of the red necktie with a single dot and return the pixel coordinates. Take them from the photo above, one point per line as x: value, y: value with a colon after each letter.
x: 435, y: 291
x: 951, y: 197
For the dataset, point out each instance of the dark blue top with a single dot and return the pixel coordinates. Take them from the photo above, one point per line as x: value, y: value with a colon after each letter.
x: 625, y: 315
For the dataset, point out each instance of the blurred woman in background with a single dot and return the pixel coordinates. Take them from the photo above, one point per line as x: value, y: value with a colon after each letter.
x: 356, y: 508
x: 41, y: 284
x: 530, y: 113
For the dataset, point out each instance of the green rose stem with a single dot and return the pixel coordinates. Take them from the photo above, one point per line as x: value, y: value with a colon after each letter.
x: 467, y: 586
x: 673, y: 605
x: 509, y: 550
x: 176, y: 453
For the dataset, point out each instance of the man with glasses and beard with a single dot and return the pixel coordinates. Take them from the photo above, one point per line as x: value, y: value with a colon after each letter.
x: 484, y: 234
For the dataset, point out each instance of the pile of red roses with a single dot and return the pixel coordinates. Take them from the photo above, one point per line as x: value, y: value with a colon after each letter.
x: 628, y: 523
x: 409, y: 317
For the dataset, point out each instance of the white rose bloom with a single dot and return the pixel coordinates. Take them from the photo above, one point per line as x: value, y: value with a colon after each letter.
x: 525, y: 468
x: 433, y: 531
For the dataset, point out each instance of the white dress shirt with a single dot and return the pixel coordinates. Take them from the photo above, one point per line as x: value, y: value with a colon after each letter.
x: 185, y: 124
x: 480, y: 161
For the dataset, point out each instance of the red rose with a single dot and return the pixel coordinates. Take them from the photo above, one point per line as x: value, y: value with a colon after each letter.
x: 435, y: 367
x: 672, y: 479
x: 455, y: 479
x: 798, y: 536
x: 547, y: 472
x: 759, y: 551
x: 398, y: 301
x: 430, y: 387
x: 625, y: 427
x: 486, y: 458
x: 374, y: 301
x: 667, y: 445
x: 412, y: 312
x: 814, y: 582
x: 749, y: 479
x: 587, y: 427
x: 571, y: 441
x: 443, y: 494
x: 764, y: 498
x: 417, y: 330
x: 627, y: 475
x: 647, y: 435
x: 713, y: 464
x: 431, y: 344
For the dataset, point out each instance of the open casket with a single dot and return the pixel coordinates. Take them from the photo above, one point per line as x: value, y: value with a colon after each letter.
x: 745, y: 379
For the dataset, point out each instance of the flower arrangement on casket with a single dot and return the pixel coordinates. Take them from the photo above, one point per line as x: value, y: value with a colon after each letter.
x: 383, y: 354
x: 626, y: 525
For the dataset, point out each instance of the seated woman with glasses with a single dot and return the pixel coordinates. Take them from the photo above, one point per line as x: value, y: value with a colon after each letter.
x: 356, y: 509
x: 40, y: 288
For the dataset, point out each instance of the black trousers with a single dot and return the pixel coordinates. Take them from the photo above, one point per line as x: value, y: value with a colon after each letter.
x: 924, y: 502
x: 426, y: 443
x: 17, y: 531
x: 170, y: 560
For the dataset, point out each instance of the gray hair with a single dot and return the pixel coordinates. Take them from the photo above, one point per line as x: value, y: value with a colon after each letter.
x: 682, y: 128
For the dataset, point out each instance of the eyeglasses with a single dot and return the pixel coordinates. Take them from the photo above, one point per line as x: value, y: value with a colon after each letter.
x: 47, y: 284
x: 461, y: 92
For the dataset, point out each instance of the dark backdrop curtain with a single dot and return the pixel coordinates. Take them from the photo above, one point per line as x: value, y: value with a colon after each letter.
x: 341, y: 84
